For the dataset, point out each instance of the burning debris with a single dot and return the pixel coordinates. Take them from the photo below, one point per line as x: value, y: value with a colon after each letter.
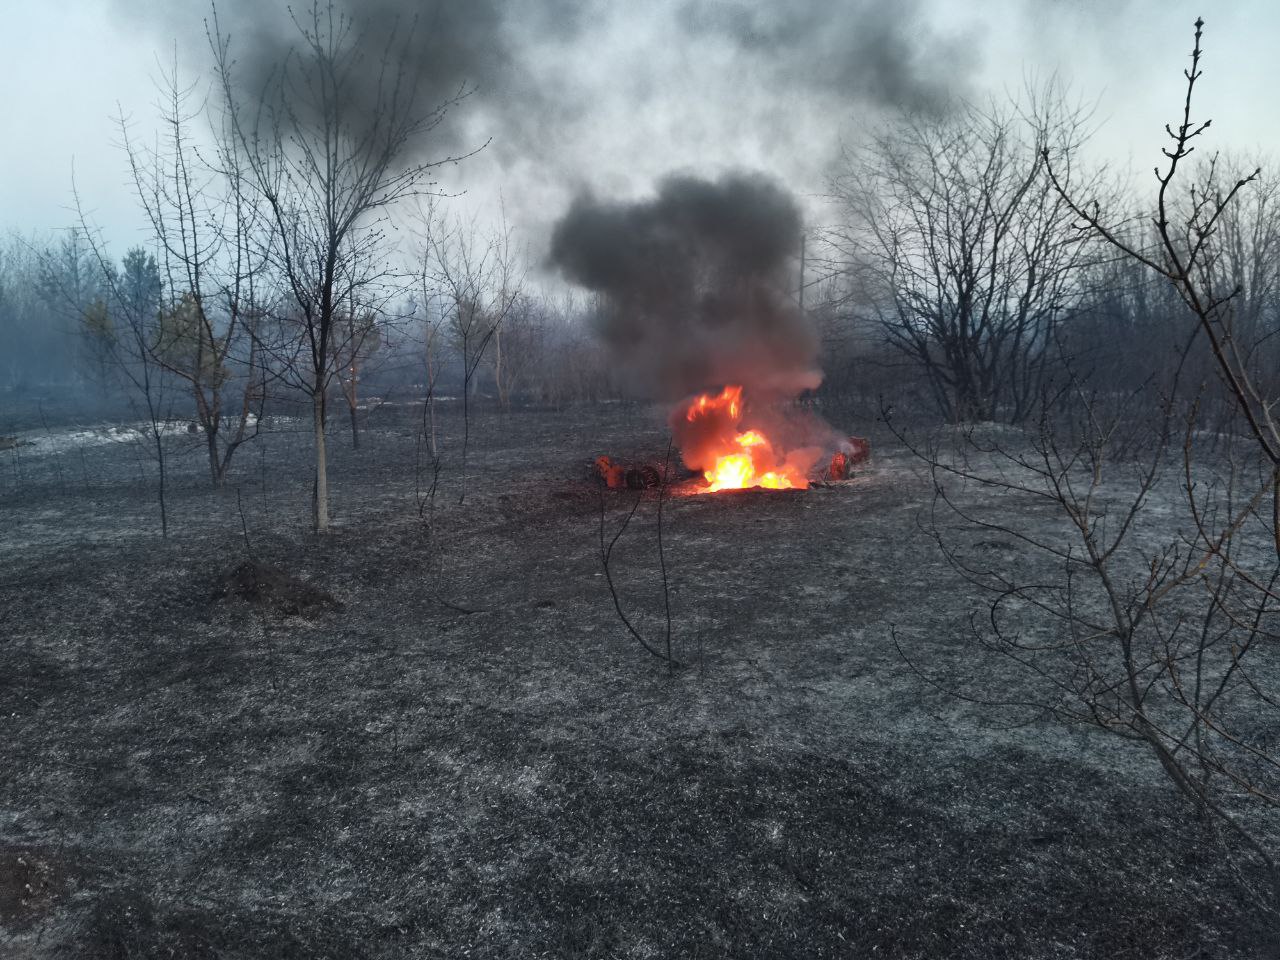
x: 732, y: 451
x: 855, y: 451
x: 713, y: 441
x: 719, y: 452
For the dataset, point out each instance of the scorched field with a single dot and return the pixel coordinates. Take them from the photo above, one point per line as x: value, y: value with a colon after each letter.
x: 429, y: 733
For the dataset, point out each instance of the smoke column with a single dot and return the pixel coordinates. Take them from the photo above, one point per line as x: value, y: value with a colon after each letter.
x: 694, y: 285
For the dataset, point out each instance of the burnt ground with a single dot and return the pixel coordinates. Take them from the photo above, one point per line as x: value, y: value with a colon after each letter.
x: 405, y: 741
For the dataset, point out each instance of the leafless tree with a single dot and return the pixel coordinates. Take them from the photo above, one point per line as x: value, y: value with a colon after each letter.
x: 67, y: 280
x: 1246, y: 261
x: 210, y: 231
x: 961, y: 252
x: 431, y: 313
x: 124, y: 322
x: 329, y: 171
x: 518, y: 347
x: 477, y: 282
x: 573, y: 366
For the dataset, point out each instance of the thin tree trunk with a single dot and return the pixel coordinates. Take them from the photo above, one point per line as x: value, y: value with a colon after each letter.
x: 499, y: 374
x: 466, y: 433
x: 351, y: 392
x: 431, y: 411
x: 322, y: 475
x: 164, y: 514
x: 1275, y: 509
x: 216, y: 468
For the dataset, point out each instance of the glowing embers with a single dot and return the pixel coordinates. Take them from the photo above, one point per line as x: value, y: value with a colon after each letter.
x: 728, y: 457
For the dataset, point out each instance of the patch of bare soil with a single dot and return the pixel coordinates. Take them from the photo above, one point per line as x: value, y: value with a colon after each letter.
x: 30, y: 882
x: 271, y: 588
x: 428, y: 735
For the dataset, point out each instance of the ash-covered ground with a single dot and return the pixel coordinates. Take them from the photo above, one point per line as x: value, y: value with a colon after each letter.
x: 428, y: 734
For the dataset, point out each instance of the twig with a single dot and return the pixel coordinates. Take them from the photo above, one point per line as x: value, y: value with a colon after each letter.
x: 606, y: 552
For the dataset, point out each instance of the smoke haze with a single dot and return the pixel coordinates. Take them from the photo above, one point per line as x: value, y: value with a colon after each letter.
x: 884, y: 53
x: 496, y: 53
x: 446, y: 50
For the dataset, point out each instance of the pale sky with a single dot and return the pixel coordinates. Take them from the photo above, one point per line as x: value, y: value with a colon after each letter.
x: 638, y: 94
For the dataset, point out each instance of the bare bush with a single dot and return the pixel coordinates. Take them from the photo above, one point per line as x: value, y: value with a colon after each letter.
x: 1134, y: 574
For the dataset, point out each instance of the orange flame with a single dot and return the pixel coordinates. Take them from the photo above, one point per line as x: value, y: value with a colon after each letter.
x: 730, y: 400
x: 728, y: 458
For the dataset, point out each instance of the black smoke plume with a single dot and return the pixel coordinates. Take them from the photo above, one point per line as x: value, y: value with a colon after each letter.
x: 695, y: 285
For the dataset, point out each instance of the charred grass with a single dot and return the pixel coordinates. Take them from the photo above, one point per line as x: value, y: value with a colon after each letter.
x: 463, y: 753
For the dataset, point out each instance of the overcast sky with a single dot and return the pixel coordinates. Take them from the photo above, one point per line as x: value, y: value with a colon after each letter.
x: 611, y: 95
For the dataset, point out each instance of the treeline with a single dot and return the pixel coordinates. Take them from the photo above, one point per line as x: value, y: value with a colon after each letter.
x: 58, y: 328
x: 42, y: 340
x: 959, y: 279
x: 299, y: 249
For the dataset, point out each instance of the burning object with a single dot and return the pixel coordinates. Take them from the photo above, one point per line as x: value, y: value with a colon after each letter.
x: 720, y: 454
x: 855, y: 451
x: 714, y: 442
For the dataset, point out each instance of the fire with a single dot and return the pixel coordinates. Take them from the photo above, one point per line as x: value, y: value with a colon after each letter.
x: 730, y: 400
x: 730, y: 458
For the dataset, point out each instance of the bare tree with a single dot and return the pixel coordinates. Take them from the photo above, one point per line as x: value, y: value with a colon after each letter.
x: 329, y: 164
x: 478, y: 283
x: 123, y: 321
x: 574, y: 366
x: 519, y: 346
x: 1246, y: 262
x: 28, y: 321
x: 961, y: 252
x: 70, y: 282
x: 433, y: 314
x: 211, y: 233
